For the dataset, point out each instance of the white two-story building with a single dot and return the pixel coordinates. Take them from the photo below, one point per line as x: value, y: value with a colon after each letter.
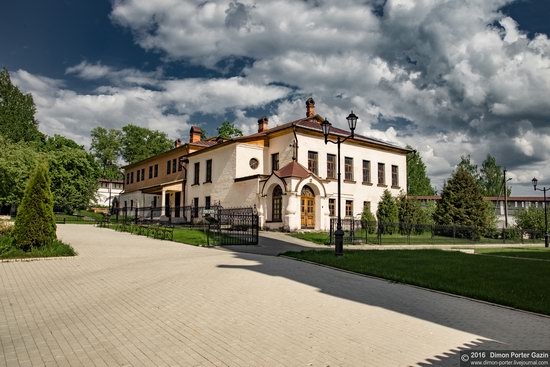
x: 286, y: 171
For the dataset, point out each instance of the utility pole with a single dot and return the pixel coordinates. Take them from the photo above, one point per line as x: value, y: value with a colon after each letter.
x: 505, y: 201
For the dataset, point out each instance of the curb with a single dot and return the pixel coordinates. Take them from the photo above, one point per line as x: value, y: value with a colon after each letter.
x: 29, y: 259
x: 418, y: 287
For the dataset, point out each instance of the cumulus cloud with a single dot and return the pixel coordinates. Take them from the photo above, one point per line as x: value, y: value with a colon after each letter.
x: 461, y: 74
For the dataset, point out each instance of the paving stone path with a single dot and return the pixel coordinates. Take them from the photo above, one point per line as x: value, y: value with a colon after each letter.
x: 128, y: 300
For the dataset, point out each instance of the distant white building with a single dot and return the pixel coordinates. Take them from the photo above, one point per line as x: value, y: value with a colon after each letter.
x: 107, y: 191
x: 287, y: 172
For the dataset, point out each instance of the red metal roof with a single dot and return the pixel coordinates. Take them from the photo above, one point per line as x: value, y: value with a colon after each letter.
x: 293, y: 169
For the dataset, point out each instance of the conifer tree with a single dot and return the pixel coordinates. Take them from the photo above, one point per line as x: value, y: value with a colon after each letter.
x: 387, y: 213
x: 462, y: 203
x: 35, y: 222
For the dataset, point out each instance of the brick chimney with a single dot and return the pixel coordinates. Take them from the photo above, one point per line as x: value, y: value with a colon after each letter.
x: 262, y: 124
x: 195, y: 134
x: 177, y: 143
x: 310, y: 107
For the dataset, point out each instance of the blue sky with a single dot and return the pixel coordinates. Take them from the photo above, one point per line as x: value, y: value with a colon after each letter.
x: 449, y: 78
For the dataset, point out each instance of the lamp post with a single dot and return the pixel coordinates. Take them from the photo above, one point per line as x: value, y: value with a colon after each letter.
x: 544, y: 189
x: 326, y: 125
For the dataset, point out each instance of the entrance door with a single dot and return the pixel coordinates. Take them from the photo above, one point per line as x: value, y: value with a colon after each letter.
x: 177, y: 204
x: 167, y: 203
x: 307, y: 208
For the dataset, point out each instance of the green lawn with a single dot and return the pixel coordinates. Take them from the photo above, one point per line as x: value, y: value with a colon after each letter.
x: 57, y: 248
x: 190, y: 236
x: 512, y: 282
x: 425, y: 238
x: 528, y: 253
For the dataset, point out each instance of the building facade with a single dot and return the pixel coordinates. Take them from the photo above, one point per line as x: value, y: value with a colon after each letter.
x: 107, y: 191
x: 287, y: 172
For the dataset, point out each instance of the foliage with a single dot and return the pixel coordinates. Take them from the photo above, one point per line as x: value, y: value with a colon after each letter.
x: 6, y: 227
x: 74, y: 175
x: 54, y: 249
x: 35, y: 221
x: 106, y: 148
x: 228, y: 130
x: 462, y: 203
x: 368, y: 220
x: 17, y: 161
x: 408, y: 209
x: 427, y: 213
x: 513, y: 282
x: 139, y: 143
x: 387, y: 212
x: 17, y: 110
x: 531, y: 218
x: 419, y: 183
x: 470, y: 167
x: 492, y: 178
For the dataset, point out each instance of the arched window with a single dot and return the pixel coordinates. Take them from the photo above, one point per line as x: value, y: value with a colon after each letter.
x: 277, y: 204
x: 307, y: 191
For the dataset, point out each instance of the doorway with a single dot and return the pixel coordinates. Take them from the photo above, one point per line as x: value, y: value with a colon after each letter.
x: 307, y: 208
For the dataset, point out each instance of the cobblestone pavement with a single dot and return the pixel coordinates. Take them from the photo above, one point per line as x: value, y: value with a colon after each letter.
x: 130, y: 300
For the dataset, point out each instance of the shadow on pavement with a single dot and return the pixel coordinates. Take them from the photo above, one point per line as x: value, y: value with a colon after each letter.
x: 495, y: 327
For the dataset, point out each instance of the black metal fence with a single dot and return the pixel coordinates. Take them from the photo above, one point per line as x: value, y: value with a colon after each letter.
x: 360, y: 232
x: 224, y: 226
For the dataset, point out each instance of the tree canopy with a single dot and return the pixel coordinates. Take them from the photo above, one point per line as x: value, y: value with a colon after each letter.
x: 419, y: 183
x: 490, y: 177
x: 17, y: 110
x: 228, y: 130
x: 139, y: 143
x: 106, y: 147
x: 462, y: 203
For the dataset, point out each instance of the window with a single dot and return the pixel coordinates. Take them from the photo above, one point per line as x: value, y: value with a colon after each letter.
x: 331, y: 166
x: 131, y: 177
x: 125, y: 204
x: 274, y: 162
x: 168, y: 167
x: 131, y: 204
x: 349, y: 208
x: 137, y: 175
x: 277, y: 204
x: 143, y: 174
x: 197, y: 173
x: 174, y: 165
x: 312, y: 161
x: 127, y: 178
x: 332, y: 207
x: 208, y: 171
x: 348, y: 169
x: 207, y: 202
x: 150, y: 172
x: 381, y: 174
x: 394, y: 176
x: 195, y: 207
x: 180, y: 161
x: 156, y: 170
x: 366, y: 172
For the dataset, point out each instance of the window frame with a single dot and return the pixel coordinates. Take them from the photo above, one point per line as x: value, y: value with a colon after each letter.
x: 394, y: 176
x: 208, y: 172
x: 274, y: 162
x: 168, y: 167
x: 331, y: 160
x: 197, y: 173
x: 332, y: 207
x: 349, y: 209
x: 381, y: 177
x: 277, y: 204
x: 367, y: 176
x: 313, y: 161
x: 348, y: 168
x: 156, y: 170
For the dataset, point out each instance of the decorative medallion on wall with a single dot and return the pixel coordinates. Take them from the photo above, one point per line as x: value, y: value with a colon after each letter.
x: 254, y: 163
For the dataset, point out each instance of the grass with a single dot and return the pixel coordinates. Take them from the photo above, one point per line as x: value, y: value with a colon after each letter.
x: 425, y: 238
x: 507, y: 281
x: 526, y: 253
x: 190, y: 236
x: 56, y: 248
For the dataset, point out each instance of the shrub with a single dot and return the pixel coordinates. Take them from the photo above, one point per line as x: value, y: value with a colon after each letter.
x: 368, y: 221
x: 387, y: 213
x: 6, y: 228
x: 35, y: 221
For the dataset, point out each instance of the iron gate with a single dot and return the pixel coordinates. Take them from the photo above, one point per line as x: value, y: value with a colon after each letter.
x: 233, y: 226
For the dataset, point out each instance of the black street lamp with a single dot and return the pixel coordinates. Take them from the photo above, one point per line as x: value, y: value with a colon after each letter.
x: 339, y: 233
x: 544, y: 189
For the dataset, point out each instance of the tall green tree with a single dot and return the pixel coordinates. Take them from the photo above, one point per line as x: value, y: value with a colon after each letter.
x: 387, y: 211
x: 462, y: 203
x: 106, y: 147
x: 17, y: 110
x: 17, y: 161
x: 228, y: 130
x: 408, y: 210
x: 418, y: 182
x: 139, y: 143
x: 531, y: 218
x: 492, y: 178
x: 35, y: 221
x: 74, y: 175
x: 470, y: 167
